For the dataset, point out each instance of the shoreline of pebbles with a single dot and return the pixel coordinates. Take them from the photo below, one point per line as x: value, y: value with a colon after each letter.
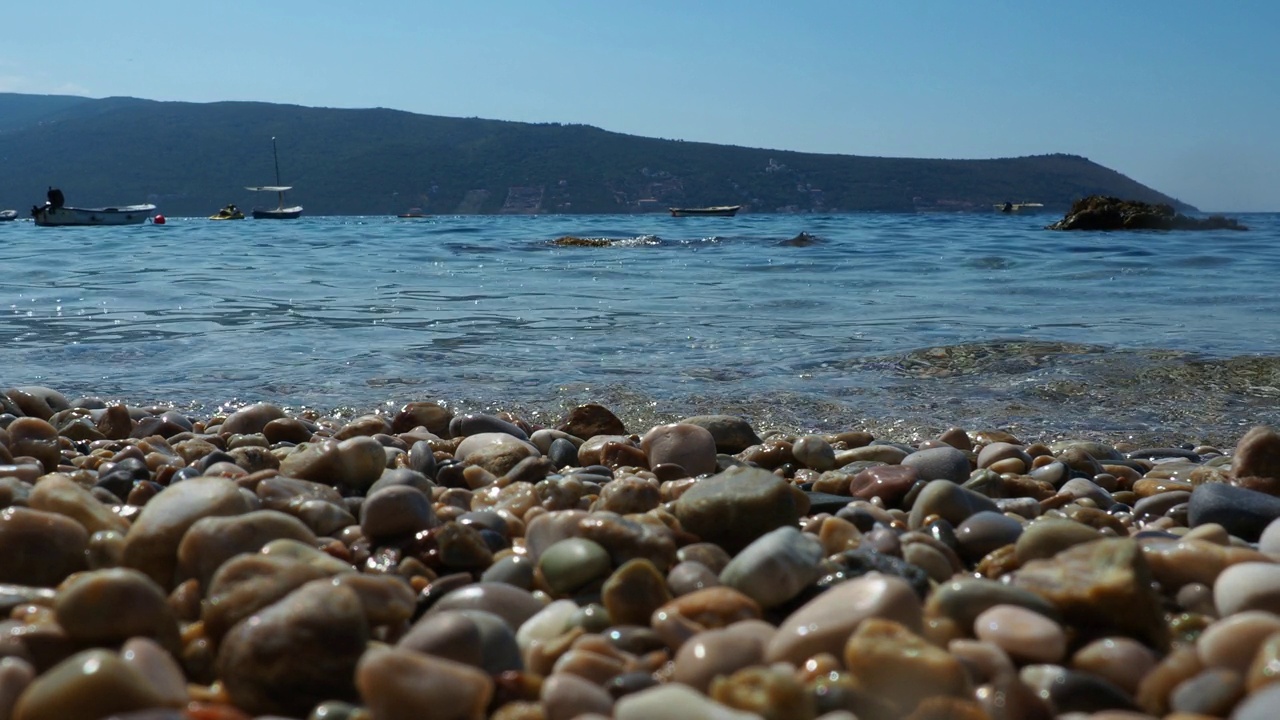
x: 157, y: 566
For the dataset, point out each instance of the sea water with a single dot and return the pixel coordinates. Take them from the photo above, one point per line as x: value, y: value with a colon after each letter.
x: 805, y: 322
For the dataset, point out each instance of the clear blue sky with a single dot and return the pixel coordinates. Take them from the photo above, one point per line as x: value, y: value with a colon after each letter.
x: 1181, y: 96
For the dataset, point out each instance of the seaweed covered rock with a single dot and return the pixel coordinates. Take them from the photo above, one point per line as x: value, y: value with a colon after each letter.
x: 1098, y: 212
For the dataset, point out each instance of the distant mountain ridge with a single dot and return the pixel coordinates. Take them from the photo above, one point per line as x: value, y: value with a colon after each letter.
x: 192, y: 158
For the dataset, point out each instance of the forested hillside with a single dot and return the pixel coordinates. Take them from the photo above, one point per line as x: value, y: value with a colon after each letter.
x: 190, y: 159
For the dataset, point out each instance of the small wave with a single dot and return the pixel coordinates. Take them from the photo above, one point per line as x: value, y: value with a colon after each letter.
x: 578, y: 241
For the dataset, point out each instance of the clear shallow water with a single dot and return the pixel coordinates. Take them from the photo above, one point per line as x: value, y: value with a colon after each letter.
x: 898, y: 321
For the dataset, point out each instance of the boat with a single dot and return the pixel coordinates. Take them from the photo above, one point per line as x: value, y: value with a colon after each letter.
x: 1026, y: 207
x: 413, y: 213
x: 714, y: 211
x: 51, y: 216
x: 280, y: 212
x: 6, y: 215
x: 55, y: 212
x: 230, y: 212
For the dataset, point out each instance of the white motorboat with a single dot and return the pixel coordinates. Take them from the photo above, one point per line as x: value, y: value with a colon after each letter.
x: 53, y: 216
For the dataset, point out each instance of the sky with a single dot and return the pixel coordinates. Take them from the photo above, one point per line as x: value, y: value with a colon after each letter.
x: 1181, y: 96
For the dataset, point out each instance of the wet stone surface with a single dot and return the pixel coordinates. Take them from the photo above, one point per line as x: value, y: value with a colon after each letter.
x: 156, y: 563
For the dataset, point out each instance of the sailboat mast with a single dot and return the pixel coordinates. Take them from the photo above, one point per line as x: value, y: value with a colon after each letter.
x: 275, y: 155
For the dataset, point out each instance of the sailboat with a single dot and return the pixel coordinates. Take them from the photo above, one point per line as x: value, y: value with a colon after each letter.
x: 280, y: 212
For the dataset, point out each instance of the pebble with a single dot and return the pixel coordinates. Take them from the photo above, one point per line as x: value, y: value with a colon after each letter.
x: 690, y: 446
x: 512, y: 604
x: 258, y: 659
x: 1102, y: 587
x: 675, y: 701
x: 431, y: 564
x: 983, y: 532
x: 1120, y: 660
x: 720, y: 652
x: 732, y: 434
x: 889, y: 483
x: 1269, y: 540
x: 1213, y: 692
x: 775, y: 567
x: 58, y: 493
x: 1233, y: 641
x: 1247, y: 586
x: 824, y: 623
x: 1027, y: 636
x: 497, y: 452
x: 939, y: 463
x: 211, y: 541
x: 108, y: 607
x: 949, y: 501
x: 16, y: 675
x: 572, y: 563
x: 1047, y: 536
x: 1260, y: 705
x: 566, y: 696
x: 396, y: 511
x: 251, y: 419
x: 40, y: 548
x: 472, y: 637
x: 397, y: 684
x: 902, y: 666
x: 87, y: 686
x: 733, y: 508
x: 634, y: 591
x: 814, y: 452
x: 590, y: 420
x: 962, y: 601
x: 1257, y: 454
x: 1243, y: 512
x: 152, y: 542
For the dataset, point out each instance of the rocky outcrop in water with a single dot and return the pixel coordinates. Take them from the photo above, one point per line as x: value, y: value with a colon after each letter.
x: 1098, y: 212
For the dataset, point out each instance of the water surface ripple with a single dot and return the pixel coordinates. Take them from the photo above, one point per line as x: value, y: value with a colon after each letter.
x: 915, y: 321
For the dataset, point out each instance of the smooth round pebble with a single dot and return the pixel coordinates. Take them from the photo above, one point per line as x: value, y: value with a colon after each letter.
x: 1247, y: 586
x: 1026, y: 635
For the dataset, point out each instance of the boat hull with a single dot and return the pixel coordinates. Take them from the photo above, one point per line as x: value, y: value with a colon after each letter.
x: 718, y: 211
x: 1021, y: 208
x: 48, y: 216
x: 292, y: 213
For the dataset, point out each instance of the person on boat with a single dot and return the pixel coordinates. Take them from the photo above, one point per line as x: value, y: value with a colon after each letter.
x: 55, y: 197
x: 1008, y: 207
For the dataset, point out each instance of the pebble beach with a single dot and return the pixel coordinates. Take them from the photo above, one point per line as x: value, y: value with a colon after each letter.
x: 416, y: 562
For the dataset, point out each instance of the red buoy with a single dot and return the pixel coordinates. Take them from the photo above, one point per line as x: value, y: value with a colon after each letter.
x: 159, y: 219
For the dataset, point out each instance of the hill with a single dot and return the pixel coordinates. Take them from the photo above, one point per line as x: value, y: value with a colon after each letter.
x: 192, y: 158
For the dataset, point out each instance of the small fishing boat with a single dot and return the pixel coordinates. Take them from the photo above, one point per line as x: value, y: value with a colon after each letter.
x: 56, y: 213
x: 230, y: 212
x: 413, y: 213
x: 280, y: 212
x: 6, y: 215
x: 1025, y: 208
x: 50, y: 216
x: 714, y: 211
